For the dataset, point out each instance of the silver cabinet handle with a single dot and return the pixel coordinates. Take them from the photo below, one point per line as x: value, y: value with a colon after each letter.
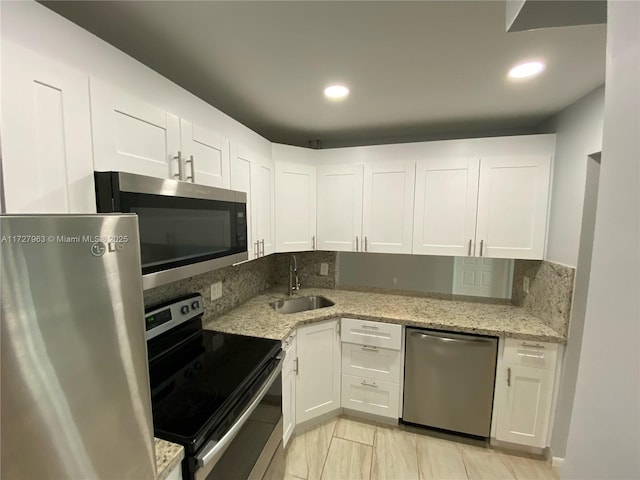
x: 178, y: 157
x: 366, y: 248
x: 365, y: 384
x: 356, y: 243
x: 213, y: 450
x: 509, y: 377
x: 193, y: 169
x: 425, y: 336
x: 481, y: 245
x: 528, y: 345
x: 257, y: 250
x: 313, y: 242
x: 367, y: 348
x: 372, y: 327
x: 262, y: 244
x: 295, y: 366
x: 469, y: 254
x: 530, y: 355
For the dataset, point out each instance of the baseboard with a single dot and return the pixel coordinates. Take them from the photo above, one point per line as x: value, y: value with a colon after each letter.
x: 514, y: 447
x: 314, y: 422
x: 370, y: 417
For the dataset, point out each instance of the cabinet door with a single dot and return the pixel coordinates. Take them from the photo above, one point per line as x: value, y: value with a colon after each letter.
x: 295, y: 207
x: 340, y: 208
x: 387, y: 221
x: 132, y: 136
x: 264, y: 204
x: 318, y: 385
x: 241, y: 180
x: 46, y: 135
x: 288, y: 390
x: 525, y: 405
x: 210, y: 152
x: 512, y: 207
x: 445, y: 208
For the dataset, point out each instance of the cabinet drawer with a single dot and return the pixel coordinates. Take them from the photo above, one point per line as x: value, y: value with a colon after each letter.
x: 371, y: 362
x: 370, y: 396
x: 530, y: 353
x: 375, y: 334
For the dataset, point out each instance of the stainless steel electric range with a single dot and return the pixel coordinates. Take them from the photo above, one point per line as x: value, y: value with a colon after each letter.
x: 217, y: 394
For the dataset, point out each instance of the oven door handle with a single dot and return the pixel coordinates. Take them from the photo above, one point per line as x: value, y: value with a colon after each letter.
x: 213, y: 450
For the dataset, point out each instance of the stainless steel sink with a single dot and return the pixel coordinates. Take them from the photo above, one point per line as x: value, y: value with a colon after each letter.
x: 301, y: 304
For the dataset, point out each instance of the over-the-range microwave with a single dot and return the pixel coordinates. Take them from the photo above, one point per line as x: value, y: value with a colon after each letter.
x: 185, y: 229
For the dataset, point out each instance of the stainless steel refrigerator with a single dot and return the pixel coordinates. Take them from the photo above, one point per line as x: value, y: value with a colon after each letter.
x: 74, y: 398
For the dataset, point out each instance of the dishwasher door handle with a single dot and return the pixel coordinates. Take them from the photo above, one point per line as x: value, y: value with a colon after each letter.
x: 447, y: 339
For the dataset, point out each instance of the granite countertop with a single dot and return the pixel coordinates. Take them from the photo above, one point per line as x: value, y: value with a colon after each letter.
x: 168, y: 455
x: 256, y: 318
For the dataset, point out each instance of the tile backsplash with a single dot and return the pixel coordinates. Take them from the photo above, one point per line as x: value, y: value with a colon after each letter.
x: 308, y: 269
x: 244, y: 281
x: 550, y: 291
x: 239, y: 284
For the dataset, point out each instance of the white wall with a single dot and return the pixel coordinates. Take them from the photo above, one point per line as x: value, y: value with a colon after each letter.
x: 604, y: 435
x: 578, y: 134
x: 36, y: 27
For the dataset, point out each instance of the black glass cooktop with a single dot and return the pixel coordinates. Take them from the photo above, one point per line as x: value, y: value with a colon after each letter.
x: 201, y: 380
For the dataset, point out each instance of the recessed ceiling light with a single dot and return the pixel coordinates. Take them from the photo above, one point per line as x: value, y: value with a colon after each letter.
x: 526, y: 70
x: 336, y: 92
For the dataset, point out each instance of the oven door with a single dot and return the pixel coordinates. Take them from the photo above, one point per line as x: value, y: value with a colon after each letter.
x: 245, y: 451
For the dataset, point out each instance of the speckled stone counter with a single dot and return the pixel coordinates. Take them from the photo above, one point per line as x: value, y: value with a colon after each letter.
x: 168, y: 455
x: 256, y: 318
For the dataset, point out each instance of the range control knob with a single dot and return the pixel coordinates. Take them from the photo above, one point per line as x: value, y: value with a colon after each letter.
x: 184, y: 309
x: 195, y: 305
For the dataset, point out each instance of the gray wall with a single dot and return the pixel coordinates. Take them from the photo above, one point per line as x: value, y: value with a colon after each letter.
x: 420, y: 273
x: 579, y: 134
x: 604, y: 434
x: 578, y: 310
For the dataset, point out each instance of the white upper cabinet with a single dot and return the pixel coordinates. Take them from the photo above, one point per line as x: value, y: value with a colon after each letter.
x: 340, y: 207
x: 130, y: 135
x: 205, y: 154
x: 485, y: 207
x: 513, y: 200
x: 387, y: 220
x: 46, y: 135
x: 445, y: 206
x: 295, y: 186
x: 254, y: 174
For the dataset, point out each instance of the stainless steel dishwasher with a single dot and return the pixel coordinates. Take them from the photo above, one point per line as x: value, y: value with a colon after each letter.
x: 449, y: 380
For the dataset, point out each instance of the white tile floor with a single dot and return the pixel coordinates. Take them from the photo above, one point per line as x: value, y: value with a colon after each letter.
x: 349, y: 449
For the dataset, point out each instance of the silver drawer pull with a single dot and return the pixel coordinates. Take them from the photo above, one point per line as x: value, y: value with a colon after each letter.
x: 528, y: 345
x: 530, y: 355
x: 365, y: 384
x: 372, y: 327
x: 369, y: 349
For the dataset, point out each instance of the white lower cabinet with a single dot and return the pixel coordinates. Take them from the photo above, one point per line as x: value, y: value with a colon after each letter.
x: 289, y: 370
x: 176, y: 473
x: 524, y: 392
x: 371, y: 367
x: 318, y: 370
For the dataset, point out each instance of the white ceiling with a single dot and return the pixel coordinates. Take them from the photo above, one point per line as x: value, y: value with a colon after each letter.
x: 417, y: 70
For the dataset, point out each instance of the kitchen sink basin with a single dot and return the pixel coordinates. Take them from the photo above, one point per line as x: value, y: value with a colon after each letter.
x: 301, y: 304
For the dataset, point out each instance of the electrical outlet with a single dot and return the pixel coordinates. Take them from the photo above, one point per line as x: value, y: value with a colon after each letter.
x: 395, y: 280
x: 324, y: 269
x: 216, y: 290
x: 525, y: 284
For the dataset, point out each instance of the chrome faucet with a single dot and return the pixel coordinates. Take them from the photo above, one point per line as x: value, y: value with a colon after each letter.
x: 294, y: 282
